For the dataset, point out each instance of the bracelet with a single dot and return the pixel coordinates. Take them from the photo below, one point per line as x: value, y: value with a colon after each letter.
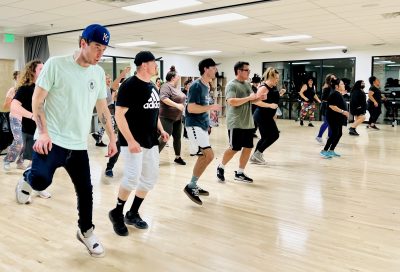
x: 342, y: 111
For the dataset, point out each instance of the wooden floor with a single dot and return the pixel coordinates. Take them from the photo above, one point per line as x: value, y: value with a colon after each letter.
x: 302, y: 213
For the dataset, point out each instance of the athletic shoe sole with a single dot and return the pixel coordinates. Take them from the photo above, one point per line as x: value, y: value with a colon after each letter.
x: 101, y: 255
x: 192, y: 199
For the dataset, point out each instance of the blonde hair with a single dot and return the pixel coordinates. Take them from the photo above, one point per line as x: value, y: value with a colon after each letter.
x: 270, y: 73
x: 27, y: 76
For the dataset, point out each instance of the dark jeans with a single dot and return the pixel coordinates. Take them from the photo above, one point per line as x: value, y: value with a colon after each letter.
x: 268, y: 130
x: 173, y: 128
x: 76, y: 162
x: 336, y: 127
x: 113, y: 160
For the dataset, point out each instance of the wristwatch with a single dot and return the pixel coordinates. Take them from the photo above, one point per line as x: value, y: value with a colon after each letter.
x: 342, y: 111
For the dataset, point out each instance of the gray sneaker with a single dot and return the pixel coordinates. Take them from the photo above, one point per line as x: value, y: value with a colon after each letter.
x: 23, y: 192
x: 257, y: 158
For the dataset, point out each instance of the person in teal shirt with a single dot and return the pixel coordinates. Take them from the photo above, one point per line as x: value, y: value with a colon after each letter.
x: 66, y: 91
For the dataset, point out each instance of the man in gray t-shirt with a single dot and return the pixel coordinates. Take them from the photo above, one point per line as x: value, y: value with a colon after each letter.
x: 239, y: 120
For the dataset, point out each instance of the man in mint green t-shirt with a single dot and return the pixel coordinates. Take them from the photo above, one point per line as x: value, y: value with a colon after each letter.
x: 239, y: 121
x: 66, y: 91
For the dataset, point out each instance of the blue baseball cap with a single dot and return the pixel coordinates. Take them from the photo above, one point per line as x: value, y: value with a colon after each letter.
x: 96, y: 33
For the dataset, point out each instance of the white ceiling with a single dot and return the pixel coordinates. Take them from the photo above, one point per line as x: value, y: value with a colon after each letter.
x: 357, y: 24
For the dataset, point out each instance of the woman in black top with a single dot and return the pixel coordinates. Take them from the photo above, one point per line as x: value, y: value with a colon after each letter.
x: 358, y: 106
x: 308, y: 95
x: 374, y: 102
x: 336, y: 115
x: 326, y: 91
x: 264, y: 114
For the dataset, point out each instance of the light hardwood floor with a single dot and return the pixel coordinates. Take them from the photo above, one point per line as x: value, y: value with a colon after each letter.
x: 302, y: 213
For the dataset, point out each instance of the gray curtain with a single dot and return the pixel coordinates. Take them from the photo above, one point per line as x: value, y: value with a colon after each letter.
x: 36, y: 47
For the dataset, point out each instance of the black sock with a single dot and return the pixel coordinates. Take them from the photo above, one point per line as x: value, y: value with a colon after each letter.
x: 137, y: 201
x: 120, y: 206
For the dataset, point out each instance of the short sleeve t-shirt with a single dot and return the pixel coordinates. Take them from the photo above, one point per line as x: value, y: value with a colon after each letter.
x: 198, y: 94
x: 336, y: 99
x: 239, y: 116
x: 143, y: 103
x: 175, y: 95
x: 24, y: 95
x: 73, y: 91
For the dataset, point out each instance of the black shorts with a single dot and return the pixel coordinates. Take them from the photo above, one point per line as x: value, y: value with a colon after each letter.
x: 239, y: 138
x: 357, y: 112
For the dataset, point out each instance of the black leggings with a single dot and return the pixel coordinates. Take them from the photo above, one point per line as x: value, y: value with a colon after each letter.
x: 173, y: 128
x: 269, y: 133
x: 336, y: 129
x: 374, y: 113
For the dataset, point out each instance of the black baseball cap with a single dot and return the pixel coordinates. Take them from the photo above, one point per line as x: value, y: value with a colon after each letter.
x: 256, y: 79
x: 206, y: 63
x: 96, y: 33
x: 144, y: 56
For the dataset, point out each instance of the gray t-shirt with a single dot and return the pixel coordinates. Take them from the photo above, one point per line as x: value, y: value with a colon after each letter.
x: 198, y: 94
x: 240, y: 116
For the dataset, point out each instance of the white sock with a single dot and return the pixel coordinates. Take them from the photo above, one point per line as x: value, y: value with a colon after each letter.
x: 240, y: 171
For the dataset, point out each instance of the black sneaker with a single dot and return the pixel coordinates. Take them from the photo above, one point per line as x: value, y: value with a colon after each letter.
x: 374, y: 127
x: 96, y: 137
x: 310, y: 125
x: 118, y: 223
x: 180, y: 161
x: 202, y: 191
x: 301, y: 123
x: 352, y: 131
x: 243, y: 177
x: 193, y: 194
x: 101, y: 144
x: 220, y: 174
x: 109, y: 173
x: 135, y: 220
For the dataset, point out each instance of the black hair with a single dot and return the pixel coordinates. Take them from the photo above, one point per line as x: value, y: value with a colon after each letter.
x: 357, y: 85
x: 335, y: 82
x: 171, y: 74
x: 372, y: 79
x: 256, y: 79
x: 239, y: 65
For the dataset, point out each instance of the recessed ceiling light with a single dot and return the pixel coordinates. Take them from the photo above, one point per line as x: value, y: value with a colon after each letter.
x: 161, y: 5
x: 204, y: 52
x: 227, y: 17
x: 132, y: 44
x: 326, y: 48
x: 286, y: 38
x: 301, y: 63
x: 174, y: 48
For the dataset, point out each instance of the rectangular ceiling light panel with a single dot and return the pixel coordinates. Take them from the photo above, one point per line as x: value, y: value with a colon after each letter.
x: 161, y: 5
x: 227, y: 17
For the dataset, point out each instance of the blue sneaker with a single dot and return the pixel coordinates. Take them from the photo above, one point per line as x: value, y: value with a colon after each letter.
x: 325, y: 154
x: 333, y: 153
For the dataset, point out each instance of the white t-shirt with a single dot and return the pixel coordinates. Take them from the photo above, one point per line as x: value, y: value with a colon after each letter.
x: 72, y: 94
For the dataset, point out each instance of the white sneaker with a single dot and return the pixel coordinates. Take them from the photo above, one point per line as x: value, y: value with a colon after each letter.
x: 257, y: 159
x: 23, y: 192
x: 44, y: 194
x: 91, y: 242
x: 6, y: 166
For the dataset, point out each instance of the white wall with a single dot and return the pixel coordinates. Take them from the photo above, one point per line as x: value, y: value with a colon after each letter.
x: 363, y: 60
x: 185, y: 65
x: 13, y: 51
x: 188, y: 65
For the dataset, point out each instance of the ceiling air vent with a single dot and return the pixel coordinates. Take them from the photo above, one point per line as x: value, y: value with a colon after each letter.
x: 391, y: 15
x: 264, y: 52
x: 289, y: 43
x: 378, y: 44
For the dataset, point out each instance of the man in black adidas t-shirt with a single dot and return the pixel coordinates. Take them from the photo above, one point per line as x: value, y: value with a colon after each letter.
x: 137, y: 118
